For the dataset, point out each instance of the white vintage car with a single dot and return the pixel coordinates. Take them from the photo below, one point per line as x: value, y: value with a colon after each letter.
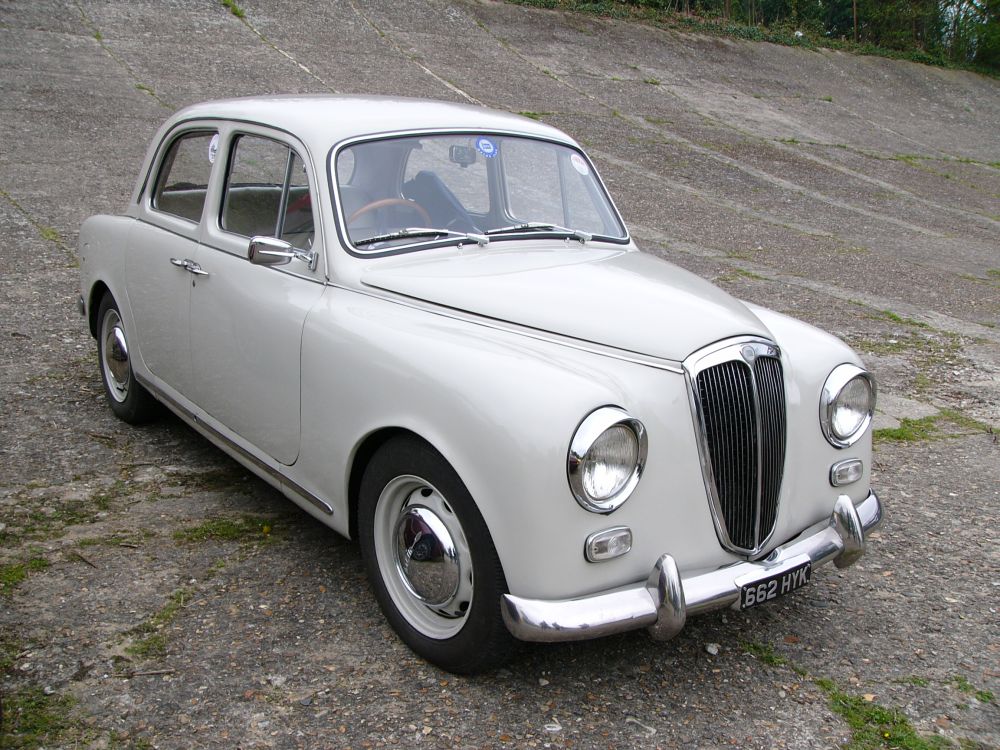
x: 427, y: 325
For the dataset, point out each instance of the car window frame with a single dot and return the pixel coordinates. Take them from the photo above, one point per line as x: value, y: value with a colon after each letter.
x: 171, y: 222
x: 215, y: 237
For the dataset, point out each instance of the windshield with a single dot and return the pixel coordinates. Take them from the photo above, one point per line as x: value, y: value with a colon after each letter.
x: 433, y: 189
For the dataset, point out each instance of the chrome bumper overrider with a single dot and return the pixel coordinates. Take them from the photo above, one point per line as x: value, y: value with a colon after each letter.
x: 662, y: 603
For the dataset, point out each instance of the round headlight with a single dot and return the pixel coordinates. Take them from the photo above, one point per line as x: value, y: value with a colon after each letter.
x: 846, y: 405
x: 606, y: 459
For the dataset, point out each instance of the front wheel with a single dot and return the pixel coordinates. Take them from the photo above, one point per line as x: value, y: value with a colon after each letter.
x: 430, y: 558
x: 128, y: 399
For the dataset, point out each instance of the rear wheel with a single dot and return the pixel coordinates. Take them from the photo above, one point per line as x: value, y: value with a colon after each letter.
x: 430, y: 558
x: 128, y: 399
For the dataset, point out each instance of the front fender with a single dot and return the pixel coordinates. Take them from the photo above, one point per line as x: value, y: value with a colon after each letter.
x: 502, y: 408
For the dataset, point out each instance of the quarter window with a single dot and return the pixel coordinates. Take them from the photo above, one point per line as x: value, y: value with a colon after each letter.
x: 267, y: 192
x: 183, y: 181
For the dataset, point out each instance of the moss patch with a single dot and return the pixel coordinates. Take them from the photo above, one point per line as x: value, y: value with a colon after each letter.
x: 13, y: 574
x: 152, y: 643
x: 33, y: 719
x: 932, y: 428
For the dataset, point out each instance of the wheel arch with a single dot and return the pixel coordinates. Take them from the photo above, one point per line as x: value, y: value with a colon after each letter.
x: 97, y: 292
x: 363, y: 454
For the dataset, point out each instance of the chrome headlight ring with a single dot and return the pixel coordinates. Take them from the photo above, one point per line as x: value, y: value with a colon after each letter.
x: 847, y: 405
x: 607, y: 457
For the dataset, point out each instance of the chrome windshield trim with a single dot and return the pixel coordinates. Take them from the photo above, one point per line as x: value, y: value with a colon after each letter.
x: 664, y: 600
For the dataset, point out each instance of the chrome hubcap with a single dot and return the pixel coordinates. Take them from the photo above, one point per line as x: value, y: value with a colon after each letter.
x: 423, y: 556
x: 115, y: 356
x: 426, y: 556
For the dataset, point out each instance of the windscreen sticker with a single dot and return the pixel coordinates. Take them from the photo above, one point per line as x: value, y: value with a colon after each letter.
x: 213, y: 148
x: 486, y: 147
x: 579, y: 164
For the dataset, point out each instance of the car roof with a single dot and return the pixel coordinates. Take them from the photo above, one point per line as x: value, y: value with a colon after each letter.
x: 321, y: 121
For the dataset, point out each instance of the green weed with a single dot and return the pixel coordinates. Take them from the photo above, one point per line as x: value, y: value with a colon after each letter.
x: 234, y: 8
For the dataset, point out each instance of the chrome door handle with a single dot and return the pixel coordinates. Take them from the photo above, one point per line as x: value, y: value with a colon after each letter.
x: 189, y: 265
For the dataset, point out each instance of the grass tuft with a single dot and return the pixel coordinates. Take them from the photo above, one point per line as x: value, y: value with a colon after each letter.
x: 234, y: 8
x: 153, y: 643
x: 874, y: 726
x: 247, y: 528
x: 765, y: 653
x: 12, y: 575
x: 33, y: 719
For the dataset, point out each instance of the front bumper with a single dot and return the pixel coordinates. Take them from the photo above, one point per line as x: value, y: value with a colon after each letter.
x: 662, y: 603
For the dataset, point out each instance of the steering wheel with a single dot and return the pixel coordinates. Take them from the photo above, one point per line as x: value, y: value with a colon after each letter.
x: 385, y: 203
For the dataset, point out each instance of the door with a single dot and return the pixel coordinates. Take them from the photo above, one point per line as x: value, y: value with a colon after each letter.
x: 246, y: 319
x: 158, y: 277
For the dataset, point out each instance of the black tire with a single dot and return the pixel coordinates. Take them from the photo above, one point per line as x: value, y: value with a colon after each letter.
x: 128, y: 399
x: 447, y: 612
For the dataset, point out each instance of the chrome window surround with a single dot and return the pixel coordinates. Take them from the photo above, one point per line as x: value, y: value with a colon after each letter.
x: 836, y: 381
x: 592, y: 427
x: 716, y: 354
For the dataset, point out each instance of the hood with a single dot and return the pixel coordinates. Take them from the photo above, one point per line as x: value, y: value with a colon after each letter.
x: 623, y: 299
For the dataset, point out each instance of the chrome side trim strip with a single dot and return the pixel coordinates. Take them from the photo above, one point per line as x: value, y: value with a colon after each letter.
x: 240, y: 452
x: 663, y: 601
x: 534, y: 333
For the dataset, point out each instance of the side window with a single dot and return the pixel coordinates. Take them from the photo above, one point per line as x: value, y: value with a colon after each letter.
x: 183, y: 179
x: 267, y: 192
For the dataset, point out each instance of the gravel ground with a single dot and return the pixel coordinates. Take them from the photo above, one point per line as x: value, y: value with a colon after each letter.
x: 141, y: 603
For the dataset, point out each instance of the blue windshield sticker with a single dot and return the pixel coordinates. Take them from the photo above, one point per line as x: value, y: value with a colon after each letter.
x: 486, y: 147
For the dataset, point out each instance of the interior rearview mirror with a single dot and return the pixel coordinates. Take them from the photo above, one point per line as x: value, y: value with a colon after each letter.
x: 463, y: 155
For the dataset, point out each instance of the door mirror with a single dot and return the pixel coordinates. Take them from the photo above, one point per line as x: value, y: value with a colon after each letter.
x: 269, y: 251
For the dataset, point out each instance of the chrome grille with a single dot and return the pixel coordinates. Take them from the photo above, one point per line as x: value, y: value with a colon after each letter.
x: 739, y: 397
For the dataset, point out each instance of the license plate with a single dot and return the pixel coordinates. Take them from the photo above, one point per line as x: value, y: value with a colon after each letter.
x: 774, y: 586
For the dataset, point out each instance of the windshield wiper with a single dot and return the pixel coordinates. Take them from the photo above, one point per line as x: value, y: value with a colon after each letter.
x: 401, y: 234
x: 535, y: 226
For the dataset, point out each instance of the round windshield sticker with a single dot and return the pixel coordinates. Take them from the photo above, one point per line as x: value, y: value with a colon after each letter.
x: 213, y: 148
x: 579, y: 164
x: 486, y: 147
